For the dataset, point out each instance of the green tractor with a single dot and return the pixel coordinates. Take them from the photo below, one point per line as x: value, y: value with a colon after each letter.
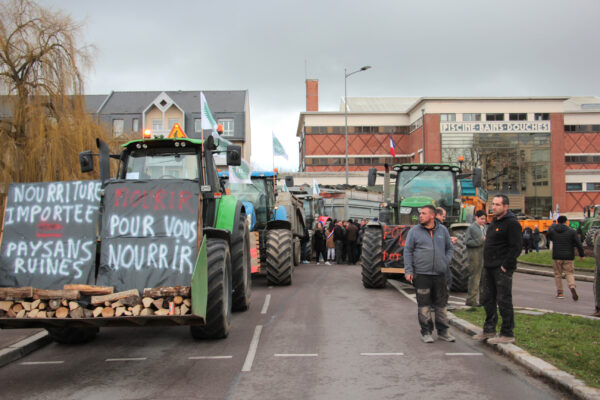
x: 591, y: 223
x: 416, y: 185
x: 163, y: 223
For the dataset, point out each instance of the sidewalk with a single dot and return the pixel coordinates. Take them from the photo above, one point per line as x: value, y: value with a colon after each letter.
x: 16, y: 343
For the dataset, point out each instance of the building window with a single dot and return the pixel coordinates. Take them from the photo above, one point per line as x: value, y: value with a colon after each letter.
x: 582, y: 128
x: 517, y: 117
x: 135, y: 125
x: 197, y: 125
x: 118, y: 125
x: 592, y: 187
x: 574, y: 187
x: 494, y: 117
x: 173, y: 121
x: 582, y: 159
x: 157, y: 125
x: 541, y: 117
x: 471, y: 117
x: 447, y: 117
x: 227, y: 127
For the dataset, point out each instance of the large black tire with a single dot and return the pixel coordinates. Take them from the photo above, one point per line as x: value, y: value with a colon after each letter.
x: 218, y: 306
x: 280, y: 265
x: 309, y: 247
x: 297, y: 251
x: 590, y: 235
x: 66, y: 335
x: 459, y: 266
x: 371, y: 259
x: 240, y: 264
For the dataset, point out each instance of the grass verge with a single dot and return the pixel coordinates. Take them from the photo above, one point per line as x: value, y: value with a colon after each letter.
x: 544, y: 257
x: 571, y: 344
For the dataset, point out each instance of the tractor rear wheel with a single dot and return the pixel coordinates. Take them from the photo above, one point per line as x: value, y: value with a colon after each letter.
x: 218, y: 305
x: 459, y: 266
x: 66, y: 335
x: 297, y: 251
x: 589, y: 237
x: 371, y: 259
x: 240, y: 264
x: 280, y: 265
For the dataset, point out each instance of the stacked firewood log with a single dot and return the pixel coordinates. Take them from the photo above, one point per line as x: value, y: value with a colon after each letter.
x: 88, y: 301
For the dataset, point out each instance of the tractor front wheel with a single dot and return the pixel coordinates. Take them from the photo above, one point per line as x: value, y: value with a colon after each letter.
x: 371, y: 259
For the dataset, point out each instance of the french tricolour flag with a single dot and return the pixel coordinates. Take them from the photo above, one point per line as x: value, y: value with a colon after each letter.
x: 392, y: 147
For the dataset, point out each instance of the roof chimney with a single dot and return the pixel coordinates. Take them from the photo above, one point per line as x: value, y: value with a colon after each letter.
x: 312, y: 95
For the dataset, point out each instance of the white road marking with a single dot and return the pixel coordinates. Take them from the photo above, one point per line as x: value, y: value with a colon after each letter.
x: 464, y: 354
x: 209, y: 357
x: 398, y: 287
x: 381, y: 354
x: 266, y: 304
x: 456, y: 302
x: 252, y: 350
x: 126, y: 359
x: 41, y: 362
x: 297, y: 355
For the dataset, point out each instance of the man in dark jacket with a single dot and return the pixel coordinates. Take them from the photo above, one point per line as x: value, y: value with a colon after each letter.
x: 351, y: 238
x: 427, y: 254
x: 564, y: 240
x: 339, y: 236
x: 502, y: 247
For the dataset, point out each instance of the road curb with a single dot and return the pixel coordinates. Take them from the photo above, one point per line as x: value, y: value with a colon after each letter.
x: 532, y: 271
x: 23, y: 347
x: 534, y: 364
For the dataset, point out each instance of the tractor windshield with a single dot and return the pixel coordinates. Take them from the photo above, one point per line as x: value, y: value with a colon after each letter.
x: 254, y: 193
x: 437, y: 185
x: 162, y: 164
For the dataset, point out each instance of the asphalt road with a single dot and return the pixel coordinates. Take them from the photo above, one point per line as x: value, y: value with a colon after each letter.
x: 324, y: 337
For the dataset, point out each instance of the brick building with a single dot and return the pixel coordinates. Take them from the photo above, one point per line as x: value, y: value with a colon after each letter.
x: 544, y: 151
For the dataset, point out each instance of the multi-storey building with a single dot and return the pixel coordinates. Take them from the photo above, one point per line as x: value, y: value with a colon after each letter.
x: 543, y: 151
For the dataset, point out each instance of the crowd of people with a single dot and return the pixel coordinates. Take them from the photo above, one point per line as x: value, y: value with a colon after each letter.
x: 338, y: 242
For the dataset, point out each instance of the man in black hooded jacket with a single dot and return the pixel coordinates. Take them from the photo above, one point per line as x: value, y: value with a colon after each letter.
x: 564, y: 240
x: 502, y: 247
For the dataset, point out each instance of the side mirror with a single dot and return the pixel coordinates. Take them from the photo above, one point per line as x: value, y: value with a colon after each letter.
x: 234, y: 155
x: 86, y: 161
x: 289, y: 181
x: 477, y: 177
x: 372, y: 177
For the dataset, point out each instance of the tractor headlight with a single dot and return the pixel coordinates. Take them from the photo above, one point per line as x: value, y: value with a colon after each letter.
x: 405, y: 210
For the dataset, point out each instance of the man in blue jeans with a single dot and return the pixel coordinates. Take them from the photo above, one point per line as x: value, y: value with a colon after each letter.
x: 502, y: 247
x: 427, y: 254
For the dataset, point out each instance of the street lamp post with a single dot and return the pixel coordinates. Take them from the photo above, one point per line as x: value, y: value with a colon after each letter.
x: 346, y: 75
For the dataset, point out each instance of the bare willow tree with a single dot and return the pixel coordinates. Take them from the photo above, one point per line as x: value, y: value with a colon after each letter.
x: 45, y: 123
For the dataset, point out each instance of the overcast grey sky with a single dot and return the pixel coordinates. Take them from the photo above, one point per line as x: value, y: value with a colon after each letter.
x: 416, y: 48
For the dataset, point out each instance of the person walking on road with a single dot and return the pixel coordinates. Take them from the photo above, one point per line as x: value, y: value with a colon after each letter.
x: 564, y: 240
x: 597, y: 276
x: 339, y: 236
x: 536, y: 239
x: 351, y: 238
x: 502, y: 247
x: 527, y: 239
x: 319, y: 240
x: 474, y: 240
x: 427, y: 254
x: 330, y: 244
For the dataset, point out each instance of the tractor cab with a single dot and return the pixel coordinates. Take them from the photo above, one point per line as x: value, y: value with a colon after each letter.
x: 418, y: 185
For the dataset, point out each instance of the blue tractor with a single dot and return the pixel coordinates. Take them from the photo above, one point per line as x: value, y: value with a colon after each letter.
x: 277, y: 220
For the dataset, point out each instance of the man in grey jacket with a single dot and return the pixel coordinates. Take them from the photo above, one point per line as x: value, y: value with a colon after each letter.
x: 427, y: 254
x: 474, y: 239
